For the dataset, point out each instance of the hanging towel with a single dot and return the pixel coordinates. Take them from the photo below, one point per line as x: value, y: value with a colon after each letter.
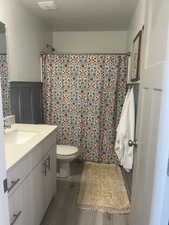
x: 125, y: 132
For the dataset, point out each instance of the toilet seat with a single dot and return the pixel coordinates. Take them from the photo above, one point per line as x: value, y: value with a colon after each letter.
x: 66, y: 150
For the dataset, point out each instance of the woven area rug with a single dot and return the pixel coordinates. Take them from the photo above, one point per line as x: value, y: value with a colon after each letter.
x: 102, y: 188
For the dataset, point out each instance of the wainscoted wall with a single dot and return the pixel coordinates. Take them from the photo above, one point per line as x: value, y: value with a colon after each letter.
x: 2, y: 43
x: 26, y: 101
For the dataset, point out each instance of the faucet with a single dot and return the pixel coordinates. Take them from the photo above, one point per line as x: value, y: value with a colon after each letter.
x: 6, y: 124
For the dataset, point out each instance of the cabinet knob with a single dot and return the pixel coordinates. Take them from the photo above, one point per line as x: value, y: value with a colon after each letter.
x: 44, y: 168
x: 132, y: 143
x: 48, y: 163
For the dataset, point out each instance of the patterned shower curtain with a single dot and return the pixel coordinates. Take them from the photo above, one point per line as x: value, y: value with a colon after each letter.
x: 5, y: 85
x: 83, y: 95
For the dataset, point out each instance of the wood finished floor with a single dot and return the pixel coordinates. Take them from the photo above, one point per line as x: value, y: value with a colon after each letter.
x: 63, y: 210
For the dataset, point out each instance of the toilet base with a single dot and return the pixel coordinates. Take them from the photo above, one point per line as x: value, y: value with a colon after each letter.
x: 65, y: 154
x: 63, y: 170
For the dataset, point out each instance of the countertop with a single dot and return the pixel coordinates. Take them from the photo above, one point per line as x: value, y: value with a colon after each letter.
x: 15, y: 152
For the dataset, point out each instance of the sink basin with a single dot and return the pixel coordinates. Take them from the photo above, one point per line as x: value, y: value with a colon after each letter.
x: 18, y: 137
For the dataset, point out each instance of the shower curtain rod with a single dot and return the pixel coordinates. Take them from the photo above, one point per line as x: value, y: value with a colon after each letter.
x: 127, y: 54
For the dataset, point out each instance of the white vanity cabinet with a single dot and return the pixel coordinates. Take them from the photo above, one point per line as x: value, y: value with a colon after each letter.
x: 44, y: 184
x: 38, y: 181
x: 16, y: 207
x: 33, y: 183
x: 28, y: 202
x: 49, y: 182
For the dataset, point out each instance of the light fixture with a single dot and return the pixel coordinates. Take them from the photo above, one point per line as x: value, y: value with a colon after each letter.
x: 47, y: 5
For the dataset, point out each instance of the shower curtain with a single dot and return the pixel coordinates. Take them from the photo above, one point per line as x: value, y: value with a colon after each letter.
x: 5, y: 85
x: 84, y: 95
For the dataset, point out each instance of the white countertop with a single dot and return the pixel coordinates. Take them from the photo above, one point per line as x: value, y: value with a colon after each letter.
x: 15, y: 152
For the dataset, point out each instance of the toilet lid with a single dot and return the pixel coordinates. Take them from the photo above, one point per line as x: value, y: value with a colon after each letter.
x: 66, y: 150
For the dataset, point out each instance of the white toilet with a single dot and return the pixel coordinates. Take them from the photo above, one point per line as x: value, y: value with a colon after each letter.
x: 64, y: 155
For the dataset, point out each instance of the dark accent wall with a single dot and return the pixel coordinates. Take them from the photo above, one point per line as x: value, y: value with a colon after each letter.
x: 26, y: 102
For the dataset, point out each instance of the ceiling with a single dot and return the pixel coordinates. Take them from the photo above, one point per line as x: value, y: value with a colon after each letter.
x: 86, y: 15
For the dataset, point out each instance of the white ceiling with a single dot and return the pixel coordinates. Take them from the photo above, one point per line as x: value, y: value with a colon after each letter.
x: 86, y: 15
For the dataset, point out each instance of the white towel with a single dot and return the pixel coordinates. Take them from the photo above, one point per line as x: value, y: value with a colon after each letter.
x: 125, y: 132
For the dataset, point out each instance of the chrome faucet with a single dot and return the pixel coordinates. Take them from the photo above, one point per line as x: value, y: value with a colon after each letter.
x: 6, y: 125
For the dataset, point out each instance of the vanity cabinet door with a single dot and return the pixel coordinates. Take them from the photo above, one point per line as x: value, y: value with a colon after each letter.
x: 16, y: 207
x: 53, y: 170
x: 38, y: 176
x: 50, y: 178
x: 47, y: 181
x: 28, y: 207
x: 18, y: 173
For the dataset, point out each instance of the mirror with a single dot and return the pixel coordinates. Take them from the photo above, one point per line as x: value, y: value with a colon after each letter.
x: 5, y: 91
